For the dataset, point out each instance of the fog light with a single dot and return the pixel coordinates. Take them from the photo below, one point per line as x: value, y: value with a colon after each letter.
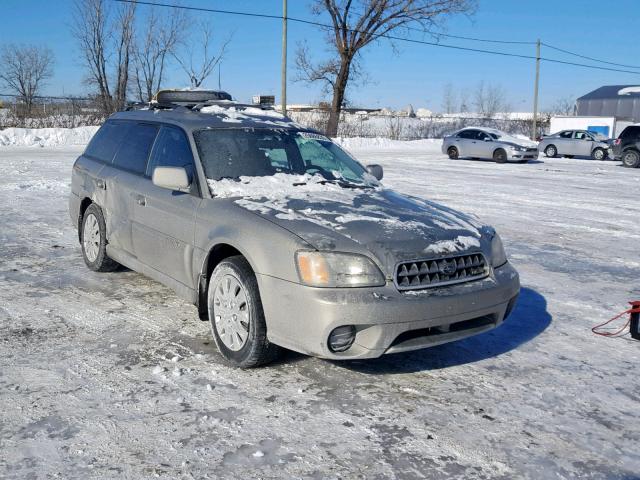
x: 342, y: 338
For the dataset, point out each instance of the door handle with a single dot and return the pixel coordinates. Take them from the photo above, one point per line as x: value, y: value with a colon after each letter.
x: 101, y: 184
x: 141, y: 200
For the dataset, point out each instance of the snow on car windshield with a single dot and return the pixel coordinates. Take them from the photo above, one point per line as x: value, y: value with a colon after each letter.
x: 249, y: 152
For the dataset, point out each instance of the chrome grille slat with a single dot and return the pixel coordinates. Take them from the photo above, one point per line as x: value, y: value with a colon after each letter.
x: 435, y: 272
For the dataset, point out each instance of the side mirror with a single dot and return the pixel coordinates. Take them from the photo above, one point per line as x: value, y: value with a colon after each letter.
x: 487, y: 139
x: 171, y: 178
x: 376, y: 171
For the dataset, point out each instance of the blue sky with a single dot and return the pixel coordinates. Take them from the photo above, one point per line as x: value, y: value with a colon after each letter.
x: 413, y: 74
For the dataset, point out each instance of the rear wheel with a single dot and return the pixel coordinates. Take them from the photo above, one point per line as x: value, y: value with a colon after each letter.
x: 94, y: 241
x: 551, y: 151
x: 631, y: 159
x: 599, y: 154
x: 453, y: 153
x: 235, y: 312
x: 500, y: 156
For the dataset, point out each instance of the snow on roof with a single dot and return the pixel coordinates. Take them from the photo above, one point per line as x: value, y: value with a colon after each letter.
x: 613, y: 92
x: 629, y: 90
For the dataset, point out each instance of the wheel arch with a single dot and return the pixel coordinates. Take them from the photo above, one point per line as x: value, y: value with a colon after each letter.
x: 84, y: 204
x: 216, y: 254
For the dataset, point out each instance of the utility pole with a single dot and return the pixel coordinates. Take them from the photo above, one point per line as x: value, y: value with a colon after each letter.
x: 284, y: 57
x: 534, y: 129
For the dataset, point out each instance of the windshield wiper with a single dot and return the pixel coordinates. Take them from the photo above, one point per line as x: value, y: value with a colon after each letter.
x: 345, y: 184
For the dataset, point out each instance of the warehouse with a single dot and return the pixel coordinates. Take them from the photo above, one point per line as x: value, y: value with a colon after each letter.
x: 619, y: 101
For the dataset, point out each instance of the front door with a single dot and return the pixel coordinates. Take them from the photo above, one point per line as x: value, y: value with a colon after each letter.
x: 582, y: 144
x: 164, y: 220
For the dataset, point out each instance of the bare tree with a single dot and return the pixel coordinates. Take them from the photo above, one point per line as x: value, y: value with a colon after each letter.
x: 490, y: 99
x: 25, y: 69
x: 356, y: 24
x: 564, y: 106
x: 199, y: 71
x: 449, y: 99
x: 103, y: 36
x: 152, y: 50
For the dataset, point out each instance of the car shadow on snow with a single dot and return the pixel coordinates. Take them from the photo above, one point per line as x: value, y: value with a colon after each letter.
x: 528, y: 320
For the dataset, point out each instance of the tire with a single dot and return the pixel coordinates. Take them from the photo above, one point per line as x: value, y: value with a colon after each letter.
x: 551, y: 151
x: 599, y: 154
x: 631, y: 158
x: 235, y: 311
x: 453, y: 153
x: 94, y: 241
x: 500, y: 156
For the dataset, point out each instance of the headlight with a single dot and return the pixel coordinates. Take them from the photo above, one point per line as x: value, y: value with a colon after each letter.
x: 333, y: 269
x: 517, y: 149
x: 498, y: 255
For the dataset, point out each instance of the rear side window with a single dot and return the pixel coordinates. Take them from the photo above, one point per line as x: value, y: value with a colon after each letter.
x: 630, y: 132
x: 468, y: 134
x: 105, y: 142
x: 135, y: 147
x: 567, y: 134
x: 172, y: 149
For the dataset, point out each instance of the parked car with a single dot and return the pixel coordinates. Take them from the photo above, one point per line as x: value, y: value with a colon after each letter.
x: 488, y: 143
x: 280, y: 237
x: 627, y: 146
x: 570, y: 143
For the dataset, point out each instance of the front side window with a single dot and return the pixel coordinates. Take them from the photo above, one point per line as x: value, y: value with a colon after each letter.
x: 234, y: 153
x: 135, y: 147
x: 171, y: 149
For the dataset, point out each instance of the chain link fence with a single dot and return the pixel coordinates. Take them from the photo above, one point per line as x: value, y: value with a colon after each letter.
x: 70, y: 112
x: 404, y: 127
x: 49, y: 112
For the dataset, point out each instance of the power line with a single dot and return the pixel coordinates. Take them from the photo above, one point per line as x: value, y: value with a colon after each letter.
x: 588, y: 58
x: 387, y: 36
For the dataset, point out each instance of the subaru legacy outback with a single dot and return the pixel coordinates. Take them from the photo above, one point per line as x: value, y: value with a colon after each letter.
x: 280, y: 237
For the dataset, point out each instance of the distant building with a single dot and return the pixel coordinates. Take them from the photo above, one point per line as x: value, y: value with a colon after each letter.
x: 619, y: 101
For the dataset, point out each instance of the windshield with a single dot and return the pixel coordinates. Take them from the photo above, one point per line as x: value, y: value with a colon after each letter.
x: 249, y: 152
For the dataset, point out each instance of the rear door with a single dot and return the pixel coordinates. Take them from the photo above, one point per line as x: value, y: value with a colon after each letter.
x: 164, y: 220
x: 466, y: 141
x: 564, y: 142
x: 121, y: 179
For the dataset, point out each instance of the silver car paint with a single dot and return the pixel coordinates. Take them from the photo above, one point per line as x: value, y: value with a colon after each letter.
x: 573, y: 146
x: 170, y: 236
x: 485, y: 149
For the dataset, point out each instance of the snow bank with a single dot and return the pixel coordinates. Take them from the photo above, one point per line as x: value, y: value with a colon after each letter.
x: 46, y: 137
x: 430, y: 145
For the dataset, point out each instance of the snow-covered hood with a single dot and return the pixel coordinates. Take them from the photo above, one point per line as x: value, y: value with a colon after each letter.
x: 517, y: 142
x: 390, y: 226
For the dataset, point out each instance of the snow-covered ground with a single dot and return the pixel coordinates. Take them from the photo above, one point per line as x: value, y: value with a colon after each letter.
x: 113, y: 376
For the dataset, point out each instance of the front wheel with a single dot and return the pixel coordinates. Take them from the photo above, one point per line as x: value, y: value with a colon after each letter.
x: 235, y: 312
x: 500, y: 156
x: 453, y: 153
x: 631, y: 159
x: 551, y: 151
x: 599, y: 154
x: 94, y: 241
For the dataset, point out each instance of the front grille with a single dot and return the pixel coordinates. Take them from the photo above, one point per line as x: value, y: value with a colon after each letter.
x: 436, y: 272
x: 532, y: 150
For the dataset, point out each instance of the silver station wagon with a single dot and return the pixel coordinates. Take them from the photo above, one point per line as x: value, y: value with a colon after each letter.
x: 280, y: 237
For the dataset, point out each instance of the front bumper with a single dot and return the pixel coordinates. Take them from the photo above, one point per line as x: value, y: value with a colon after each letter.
x: 518, y: 156
x: 301, y: 318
